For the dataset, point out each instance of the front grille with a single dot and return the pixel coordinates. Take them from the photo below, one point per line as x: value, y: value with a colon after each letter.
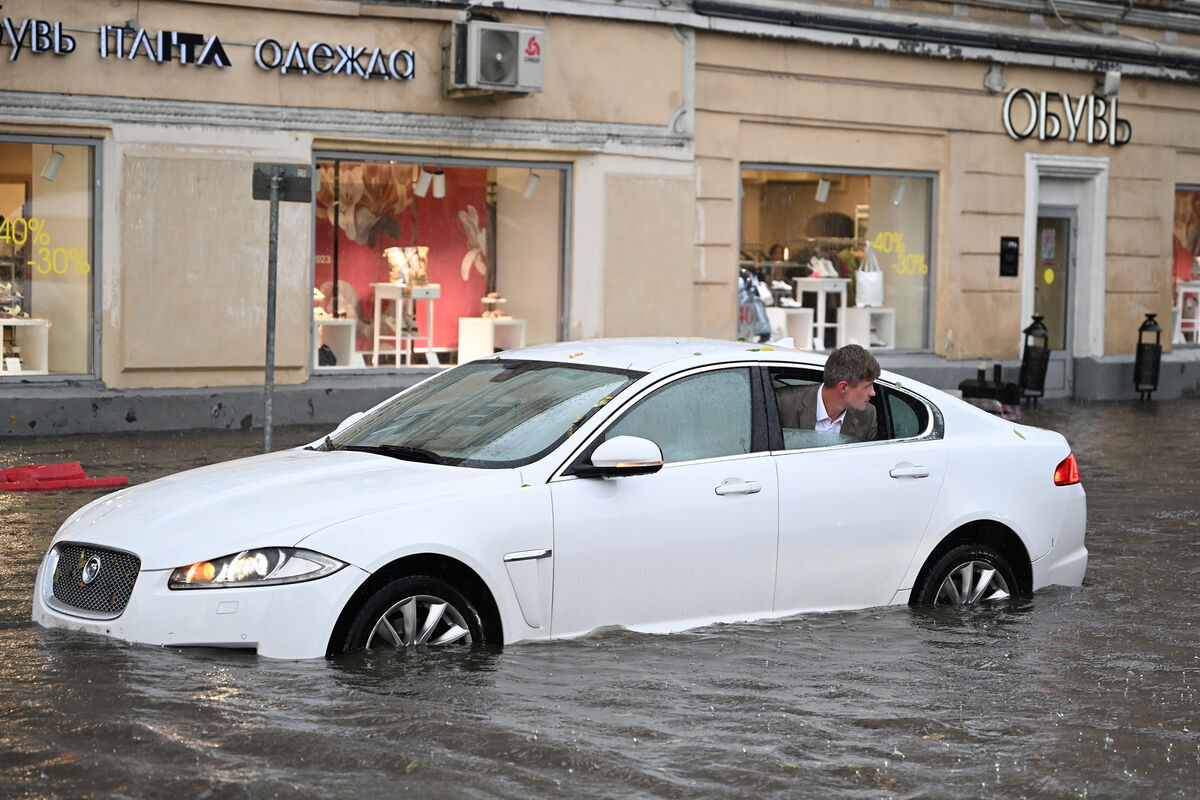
x: 108, y: 591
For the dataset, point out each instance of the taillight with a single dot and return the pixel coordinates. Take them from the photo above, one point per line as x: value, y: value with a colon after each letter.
x: 1067, y: 472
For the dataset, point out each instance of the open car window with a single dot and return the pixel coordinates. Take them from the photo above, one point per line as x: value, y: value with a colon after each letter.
x: 790, y: 380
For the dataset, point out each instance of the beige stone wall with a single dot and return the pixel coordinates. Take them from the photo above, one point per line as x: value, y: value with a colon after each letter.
x: 185, y: 262
x: 806, y: 105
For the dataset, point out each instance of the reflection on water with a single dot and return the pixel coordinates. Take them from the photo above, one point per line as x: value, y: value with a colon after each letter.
x: 1087, y: 692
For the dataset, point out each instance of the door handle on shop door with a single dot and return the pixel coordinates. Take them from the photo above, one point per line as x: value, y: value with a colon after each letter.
x: 907, y: 470
x: 738, y: 486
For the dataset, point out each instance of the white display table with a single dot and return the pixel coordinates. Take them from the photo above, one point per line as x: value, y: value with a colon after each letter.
x: 479, y: 337
x: 32, y: 337
x: 1187, y: 313
x: 822, y: 288
x: 403, y: 297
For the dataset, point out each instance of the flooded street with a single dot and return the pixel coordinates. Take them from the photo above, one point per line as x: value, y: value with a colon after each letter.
x: 1089, y: 692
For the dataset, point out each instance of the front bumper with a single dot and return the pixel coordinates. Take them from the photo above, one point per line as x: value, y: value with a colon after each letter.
x: 289, y: 621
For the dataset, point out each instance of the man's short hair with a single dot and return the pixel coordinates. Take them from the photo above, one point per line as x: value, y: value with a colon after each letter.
x: 852, y: 364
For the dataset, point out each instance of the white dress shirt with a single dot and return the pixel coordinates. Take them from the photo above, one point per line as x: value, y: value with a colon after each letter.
x: 824, y: 423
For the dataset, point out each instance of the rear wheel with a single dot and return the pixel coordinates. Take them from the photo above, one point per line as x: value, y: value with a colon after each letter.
x: 415, y: 611
x: 964, y: 575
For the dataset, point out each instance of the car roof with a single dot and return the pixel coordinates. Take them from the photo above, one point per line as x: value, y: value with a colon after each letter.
x: 653, y: 353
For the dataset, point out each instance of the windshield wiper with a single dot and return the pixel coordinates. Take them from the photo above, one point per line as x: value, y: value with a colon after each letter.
x: 399, y: 451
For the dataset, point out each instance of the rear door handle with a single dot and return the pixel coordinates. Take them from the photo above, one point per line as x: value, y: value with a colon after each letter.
x: 909, y: 471
x: 738, y: 486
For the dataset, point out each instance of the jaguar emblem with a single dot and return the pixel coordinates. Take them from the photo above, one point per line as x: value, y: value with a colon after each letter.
x: 90, y: 570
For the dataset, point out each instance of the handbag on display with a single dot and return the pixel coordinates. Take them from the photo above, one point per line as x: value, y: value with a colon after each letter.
x: 325, y: 356
x: 868, y: 281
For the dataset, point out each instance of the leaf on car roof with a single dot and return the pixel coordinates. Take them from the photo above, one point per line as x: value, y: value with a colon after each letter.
x: 575, y: 355
x: 1018, y: 433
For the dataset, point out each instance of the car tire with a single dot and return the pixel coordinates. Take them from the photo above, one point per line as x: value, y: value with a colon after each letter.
x: 965, y: 575
x: 415, y: 611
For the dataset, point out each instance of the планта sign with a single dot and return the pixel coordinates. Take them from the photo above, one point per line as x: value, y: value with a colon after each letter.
x: 37, y: 37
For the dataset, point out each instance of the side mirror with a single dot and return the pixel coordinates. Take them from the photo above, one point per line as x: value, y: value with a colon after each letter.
x: 622, y: 455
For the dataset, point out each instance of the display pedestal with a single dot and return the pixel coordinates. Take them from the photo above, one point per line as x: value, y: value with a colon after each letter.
x: 861, y: 323
x: 339, y: 335
x: 32, y: 338
x: 796, y: 323
x: 479, y: 337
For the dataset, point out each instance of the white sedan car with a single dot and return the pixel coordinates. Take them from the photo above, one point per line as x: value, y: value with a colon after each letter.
x: 547, y: 492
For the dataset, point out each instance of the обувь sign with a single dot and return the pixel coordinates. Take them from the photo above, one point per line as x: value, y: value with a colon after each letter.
x: 1092, y: 118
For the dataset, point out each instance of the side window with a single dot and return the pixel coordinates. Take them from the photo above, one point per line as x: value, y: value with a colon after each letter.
x: 700, y: 416
x: 909, y: 416
x: 788, y: 384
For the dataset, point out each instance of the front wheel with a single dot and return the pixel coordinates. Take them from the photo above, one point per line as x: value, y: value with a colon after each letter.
x: 415, y: 611
x: 965, y: 575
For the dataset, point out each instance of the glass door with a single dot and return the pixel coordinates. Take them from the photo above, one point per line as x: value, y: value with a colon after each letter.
x: 1051, y: 276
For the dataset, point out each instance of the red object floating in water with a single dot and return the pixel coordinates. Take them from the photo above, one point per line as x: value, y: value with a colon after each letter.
x: 43, y: 477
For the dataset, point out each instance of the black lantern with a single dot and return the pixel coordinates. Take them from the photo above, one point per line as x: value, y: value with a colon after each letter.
x: 1035, y: 360
x: 1148, y: 358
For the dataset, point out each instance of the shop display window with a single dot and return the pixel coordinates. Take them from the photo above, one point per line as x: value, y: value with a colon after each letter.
x: 432, y: 264
x: 837, y: 257
x: 1185, y: 248
x: 46, y: 256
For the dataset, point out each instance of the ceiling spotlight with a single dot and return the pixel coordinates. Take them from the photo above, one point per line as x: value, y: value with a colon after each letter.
x: 53, y: 164
x: 423, y: 180
x: 994, y: 81
x: 439, y: 184
x: 1109, y: 83
x: 900, y: 189
x: 823, y: 189
x: 531, y: 185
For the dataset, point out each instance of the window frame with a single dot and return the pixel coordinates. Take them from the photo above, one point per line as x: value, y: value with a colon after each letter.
x: 833, y: 170
x: 96, y: 262
x: 565, y: 215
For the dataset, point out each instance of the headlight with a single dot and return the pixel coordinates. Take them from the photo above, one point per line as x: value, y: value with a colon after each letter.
x: 267, y: 566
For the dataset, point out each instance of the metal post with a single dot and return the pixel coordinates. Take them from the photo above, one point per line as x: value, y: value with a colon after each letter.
x: 272, y: 255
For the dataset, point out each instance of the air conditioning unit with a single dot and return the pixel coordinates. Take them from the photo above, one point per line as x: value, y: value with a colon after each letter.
x: 490, y: 57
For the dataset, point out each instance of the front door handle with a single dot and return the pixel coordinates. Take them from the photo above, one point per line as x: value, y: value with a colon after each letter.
x: 909, y: 471
x: 738, y: 486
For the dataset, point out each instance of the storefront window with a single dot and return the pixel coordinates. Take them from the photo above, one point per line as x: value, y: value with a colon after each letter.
x: 849, y: 254
x: 1186, y: 250
x: 434, y: 264
x: 46, y: 256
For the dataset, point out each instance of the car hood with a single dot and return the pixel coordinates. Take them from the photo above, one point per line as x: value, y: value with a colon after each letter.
x: 263, y: 501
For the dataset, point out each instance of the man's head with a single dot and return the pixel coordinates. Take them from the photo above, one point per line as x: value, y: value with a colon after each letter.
x: 850, y: 374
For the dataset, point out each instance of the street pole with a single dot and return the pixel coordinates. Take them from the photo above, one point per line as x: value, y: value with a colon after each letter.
x: 279, y: 183
x: 272, y: 256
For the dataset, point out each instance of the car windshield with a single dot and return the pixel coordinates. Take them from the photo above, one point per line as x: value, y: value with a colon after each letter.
x: 486, y: 413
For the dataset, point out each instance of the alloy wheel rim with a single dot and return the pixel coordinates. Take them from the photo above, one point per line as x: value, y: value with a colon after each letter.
x: 418, y: 621
x: 972, y: 582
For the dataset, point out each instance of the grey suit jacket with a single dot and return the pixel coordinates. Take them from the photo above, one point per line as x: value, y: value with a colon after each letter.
x: 798, y: 409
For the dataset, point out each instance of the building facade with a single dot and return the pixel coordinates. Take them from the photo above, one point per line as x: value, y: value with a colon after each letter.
x: 485, y: 175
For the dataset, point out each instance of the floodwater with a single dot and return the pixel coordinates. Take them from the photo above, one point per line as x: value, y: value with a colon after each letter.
x: 1078, y: 693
